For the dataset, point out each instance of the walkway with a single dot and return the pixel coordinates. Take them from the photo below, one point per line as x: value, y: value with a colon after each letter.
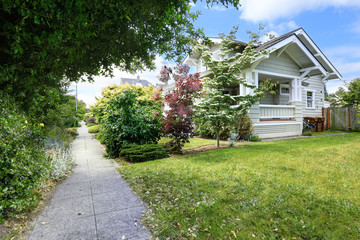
x: 93, y: 203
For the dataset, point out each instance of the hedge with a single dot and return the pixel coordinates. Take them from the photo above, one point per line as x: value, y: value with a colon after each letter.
x: 142, y: 153
x: 94, y: 129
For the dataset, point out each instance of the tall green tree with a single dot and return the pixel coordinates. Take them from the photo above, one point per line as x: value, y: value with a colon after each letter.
x: 46, y: 44
x: 218, y: 108
x: 351, y: 97
x: 336, y: 99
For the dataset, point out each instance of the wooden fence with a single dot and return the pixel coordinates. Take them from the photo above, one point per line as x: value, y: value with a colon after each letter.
x: 341, y: 118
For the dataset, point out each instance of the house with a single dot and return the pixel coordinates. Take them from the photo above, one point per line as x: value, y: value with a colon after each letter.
x: 135, y: 82
x: 301, y: 69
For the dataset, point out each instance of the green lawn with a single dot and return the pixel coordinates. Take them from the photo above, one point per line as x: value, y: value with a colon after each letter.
x: 195, y: 142
x: 304, y: 188
x: 325, y: 132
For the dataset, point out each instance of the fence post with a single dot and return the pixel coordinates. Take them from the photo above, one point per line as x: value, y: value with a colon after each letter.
x: 349, y: 118
x: 328, y: 118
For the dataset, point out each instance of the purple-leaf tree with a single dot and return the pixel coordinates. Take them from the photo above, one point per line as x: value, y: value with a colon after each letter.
x: 178, y: 120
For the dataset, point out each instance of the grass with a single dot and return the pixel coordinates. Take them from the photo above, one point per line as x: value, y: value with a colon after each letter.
x: 325, y: 132
x: 304, y: 188
x: 195, y: 142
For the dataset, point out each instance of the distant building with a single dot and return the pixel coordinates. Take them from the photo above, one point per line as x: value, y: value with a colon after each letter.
x: 135, y: 82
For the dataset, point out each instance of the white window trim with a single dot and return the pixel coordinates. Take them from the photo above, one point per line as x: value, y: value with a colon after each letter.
x: 285, y: 86
x: 314, y: 102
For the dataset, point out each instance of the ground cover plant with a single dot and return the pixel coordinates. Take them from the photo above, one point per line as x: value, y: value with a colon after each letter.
x: 303, y: 188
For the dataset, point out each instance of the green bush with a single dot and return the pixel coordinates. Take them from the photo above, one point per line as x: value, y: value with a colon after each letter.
x: 23, y: 163
x: 142, y: 153
x: 127, y: 121
x: 254, y: 138
x: 72, y: 132
x: 94, y: 129
x: 100, y: 137
x: 308, y: 133
x: 70, y: 122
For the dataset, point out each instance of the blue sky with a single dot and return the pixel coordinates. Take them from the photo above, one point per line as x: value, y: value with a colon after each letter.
x: 334, y: 25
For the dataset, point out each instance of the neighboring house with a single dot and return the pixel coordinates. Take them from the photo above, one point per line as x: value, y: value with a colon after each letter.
x: 135, y: 82
x: 301, y: 69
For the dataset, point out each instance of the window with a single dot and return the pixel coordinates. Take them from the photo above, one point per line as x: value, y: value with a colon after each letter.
x: 284, y: 89
x: 310, y: 99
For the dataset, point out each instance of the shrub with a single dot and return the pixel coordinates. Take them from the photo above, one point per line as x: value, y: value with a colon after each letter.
x: 142, y: 153
x: 90, y: 120
x: 128, y: 122
x: 72, y: 132
x: 71, y: 122
x: 61, y: 161
x: 100, y: 137
x: 23, y: 163
x: 307, y: 133
x: 254, y: 138
x: 94, y: 129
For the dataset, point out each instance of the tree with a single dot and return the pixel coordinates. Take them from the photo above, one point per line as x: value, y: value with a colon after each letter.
x: 352, y: 96
x: 145, y: 96
x: 47, y: 44
x: 336, y: 98
x: 178, y: 122
x: 129, y: 122
x: 218, y: 108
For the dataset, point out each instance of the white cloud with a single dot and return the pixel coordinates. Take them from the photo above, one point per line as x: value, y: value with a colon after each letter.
x: 88, y: 91
x: 271, y: 10
x: 275, y: 30
x: 268, y: 36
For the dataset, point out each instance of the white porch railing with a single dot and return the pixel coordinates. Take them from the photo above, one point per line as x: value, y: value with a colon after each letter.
x: 268, y: 112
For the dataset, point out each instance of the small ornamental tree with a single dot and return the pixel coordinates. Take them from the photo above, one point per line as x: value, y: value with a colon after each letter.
x: 178, y: 121
x: 217, y: 108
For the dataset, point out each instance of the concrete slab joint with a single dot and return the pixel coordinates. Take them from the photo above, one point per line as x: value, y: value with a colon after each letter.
x: 93, y: 203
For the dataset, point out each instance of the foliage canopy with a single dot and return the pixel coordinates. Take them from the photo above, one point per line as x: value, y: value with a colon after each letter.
x: 44, y: 42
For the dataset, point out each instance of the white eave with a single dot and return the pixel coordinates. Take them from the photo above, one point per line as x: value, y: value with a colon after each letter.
x: 319, y: 62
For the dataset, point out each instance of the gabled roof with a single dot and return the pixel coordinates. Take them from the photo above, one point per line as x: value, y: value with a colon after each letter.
x: 132, y: 81
x: 313, y: 52
x: 308, y: 55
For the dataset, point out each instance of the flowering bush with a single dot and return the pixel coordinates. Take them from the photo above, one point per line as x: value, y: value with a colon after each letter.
x: 23, y: 163
x: 90, y: 120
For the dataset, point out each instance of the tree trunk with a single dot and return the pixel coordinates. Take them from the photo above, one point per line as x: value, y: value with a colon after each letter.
x: 217, y: 138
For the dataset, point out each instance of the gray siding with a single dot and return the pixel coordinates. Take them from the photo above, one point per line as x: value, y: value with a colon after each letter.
x: 315, y: 84
x: 282, y: 64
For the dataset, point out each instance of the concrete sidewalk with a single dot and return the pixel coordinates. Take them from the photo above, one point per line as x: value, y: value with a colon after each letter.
x: 93, y: 203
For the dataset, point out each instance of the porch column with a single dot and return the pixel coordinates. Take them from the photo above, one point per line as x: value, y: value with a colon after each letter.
x: 295, y: 94
x: 296, y: 99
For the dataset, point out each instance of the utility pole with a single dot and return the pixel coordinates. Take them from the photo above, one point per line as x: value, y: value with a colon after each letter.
x: 76, y: 99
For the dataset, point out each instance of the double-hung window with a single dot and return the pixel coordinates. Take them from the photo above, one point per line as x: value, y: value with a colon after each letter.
x: 310, y: 99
